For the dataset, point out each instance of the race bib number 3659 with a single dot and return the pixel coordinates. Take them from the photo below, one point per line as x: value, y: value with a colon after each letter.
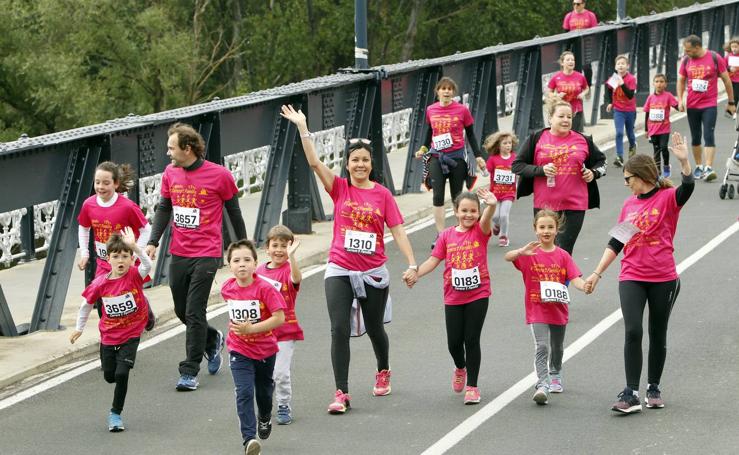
x: 244, y: 310
x: 119, y: 306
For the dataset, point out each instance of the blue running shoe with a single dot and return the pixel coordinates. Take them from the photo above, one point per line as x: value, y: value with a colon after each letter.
x: 215, y: 360
x: 187, y: 383
x: 666, y: 171
x: 115, y: 423
x: 698, y: 172
x: 283, y: 415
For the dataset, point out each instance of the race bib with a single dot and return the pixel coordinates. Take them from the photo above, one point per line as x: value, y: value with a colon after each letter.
x: 244, y: 310
x: 504, y: 177
x: 624, y: 231
x: 275, y: 284
x: 442, y: 141
x: 360, y: 242
x: 119, y: 306
x: 656, y: 115
x: 466, y: 280
x: 186, y: 217
x: 699, y: 85
x: 614, y: 81
x: 733, y: 61
x: 101, y: 250
x: 554, y: 292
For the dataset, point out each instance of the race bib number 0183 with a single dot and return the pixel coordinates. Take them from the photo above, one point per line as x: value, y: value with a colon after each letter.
x: 553, y: 292
x: 360, y: 242
x: 186, y: 217
x: 119, y: 306
x: 244, y: 310
x: 466, y: 280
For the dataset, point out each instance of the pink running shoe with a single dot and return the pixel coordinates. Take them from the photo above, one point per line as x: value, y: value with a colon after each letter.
x: 459, y: 379
x: 382, y: 384
x: 503, y: 241
x: 340, y: 404
x: 471, y: 395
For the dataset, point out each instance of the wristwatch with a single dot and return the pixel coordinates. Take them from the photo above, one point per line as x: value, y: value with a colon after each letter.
x: 413, y: 267
x: 731, y: 103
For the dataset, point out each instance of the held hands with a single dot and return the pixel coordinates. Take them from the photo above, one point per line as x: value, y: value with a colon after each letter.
x: 74, y: 336
x: 591, y: 282
x: 151, y: 251
x: 410, y: 277
x: 480, y: 163
x: 296, y: 117
x: 487, y: 196
x: 680, y: 106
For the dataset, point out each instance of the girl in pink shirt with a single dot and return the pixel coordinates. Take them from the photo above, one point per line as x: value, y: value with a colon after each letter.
x: 502, y: 179
x: 645, y: 233
x: 255, y: 310
x: 356, y: 264
x: 463, y: 248
x: 570, y: 86
x: 731, y: 55
x: 547, y: 270
x: 657, y: 122
x: 621, y: 99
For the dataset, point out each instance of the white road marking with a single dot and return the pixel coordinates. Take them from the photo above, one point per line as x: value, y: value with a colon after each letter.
x: 475, y: 420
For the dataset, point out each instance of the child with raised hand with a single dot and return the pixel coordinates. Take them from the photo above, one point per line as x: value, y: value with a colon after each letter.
x: 502, y: 180
x: 546, y: 270
x: 255, y: 309
x: 124, y: 315
x: 463, y: 248
x: 621, y: 99
x: 282, y: 272
x: 657, y: 122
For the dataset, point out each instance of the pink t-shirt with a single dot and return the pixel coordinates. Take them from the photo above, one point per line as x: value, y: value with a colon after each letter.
x: 502, y: 180
x: 104, y: 221
x: 701, y: 79
x: 555, y: 266
x: 256, y: 346
x: 197, y: 208
x: 734, y: 75
x: 662, y: 102
x: 465, y: 255
x: 648, y: 254
x: 575, y: 21
x: 569, y: 153
x: 620, y: 101
x: 448, y: 120
x: 281, y: 279
x: 361, y: 215
x: 571, y: 85
x: 125, y: 311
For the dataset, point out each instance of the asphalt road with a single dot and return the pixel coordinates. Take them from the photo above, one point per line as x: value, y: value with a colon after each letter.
x: 699, y: 382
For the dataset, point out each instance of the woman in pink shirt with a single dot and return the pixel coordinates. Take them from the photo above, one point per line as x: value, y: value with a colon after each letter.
x: 356, y: 263
x: 731, y: 55
x: 560, y: 167
x: 570, y: 86
x: 645, y: 233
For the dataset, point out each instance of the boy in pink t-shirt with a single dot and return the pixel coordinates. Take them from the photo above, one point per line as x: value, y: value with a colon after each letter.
x: 466, y: 278
x: 547, y: 270
x: 124, y: 315
x: 255, y: 310
x: 502, y: 179
x: 657, y: 122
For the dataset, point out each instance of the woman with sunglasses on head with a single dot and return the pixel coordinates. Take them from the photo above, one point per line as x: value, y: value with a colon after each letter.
x: 356, y: 264
x: 645, y: 233
x: 444, y: 153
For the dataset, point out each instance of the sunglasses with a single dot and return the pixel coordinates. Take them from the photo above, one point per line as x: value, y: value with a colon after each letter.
x: 576, y: 4
x: 628, y: 178
x: 359, y: 140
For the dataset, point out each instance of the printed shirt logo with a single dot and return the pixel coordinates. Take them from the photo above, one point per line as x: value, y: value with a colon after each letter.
x: 644, y: 220
x: 560, y: 156
x: 545, y: 272
x: 188, y: 197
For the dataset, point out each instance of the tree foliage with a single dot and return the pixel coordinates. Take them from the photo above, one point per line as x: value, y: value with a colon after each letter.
x: 69, y: 63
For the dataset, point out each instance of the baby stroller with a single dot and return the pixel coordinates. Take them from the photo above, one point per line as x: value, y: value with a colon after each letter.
x: 732, y: 174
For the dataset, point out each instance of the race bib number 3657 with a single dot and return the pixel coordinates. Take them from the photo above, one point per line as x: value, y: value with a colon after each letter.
x: 244, y: 310
x: 186, y: 217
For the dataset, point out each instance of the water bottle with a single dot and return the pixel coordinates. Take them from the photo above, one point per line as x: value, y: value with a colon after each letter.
x: 550, y: 181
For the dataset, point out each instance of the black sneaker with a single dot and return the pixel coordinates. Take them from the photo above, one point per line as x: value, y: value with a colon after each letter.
x: 654, y: 397
x: 618, y: 161
x: 627, y: 402
x: 264, y: 427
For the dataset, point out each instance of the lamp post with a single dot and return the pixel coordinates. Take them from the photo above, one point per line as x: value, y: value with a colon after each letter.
x: 361, y: 51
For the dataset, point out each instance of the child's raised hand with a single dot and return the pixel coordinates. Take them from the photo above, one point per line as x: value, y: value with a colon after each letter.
x: 529, y: 249
x: 292, y: 247
x: 487, y: 196
x: 128, y: 237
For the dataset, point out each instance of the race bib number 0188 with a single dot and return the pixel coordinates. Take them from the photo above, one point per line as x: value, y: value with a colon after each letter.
x: 119, y: 306
x: 360, y: 242
x: 656, y: 115
x: 186, y: 217
x: 466, y: 280
x: 554, y: 292
x: 244, y: 310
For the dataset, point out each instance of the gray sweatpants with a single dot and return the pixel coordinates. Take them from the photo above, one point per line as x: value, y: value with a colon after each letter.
x: 549, y: 343
x: 500, y: 217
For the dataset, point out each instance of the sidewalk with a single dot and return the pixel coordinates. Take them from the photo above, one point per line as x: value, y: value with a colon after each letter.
x: 23, y: 360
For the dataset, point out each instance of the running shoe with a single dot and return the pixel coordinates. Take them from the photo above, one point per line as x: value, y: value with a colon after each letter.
x: 151, y: 322
x: 555, y: 384
x: 264, y: 427
x: 628, y: 402
x: 503, y: 241
x: 666, y: 171
x: 541, y: 396
x: 382, y: 384
x: 187, y: 383
x: 632, y: 151
x: 284, y: 416
x: 618, y: 161
x: 698, y: 173
x: 253, y: 447
x: 459, y: 379
x: 214, y: 357
x: 654, y: 397
x: 115, y: 423
x: 341, y: 403
x: 710, y: 175
x: 471, y: 395
x: 496, y: 229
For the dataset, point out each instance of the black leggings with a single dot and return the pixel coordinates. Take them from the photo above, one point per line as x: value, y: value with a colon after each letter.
x: 463, y: 329
x: 457, y: 176
x: 339, y: 297
x: 660, y: 297
x: 661, y: 153
x: 116, y: 362
x: 735, y: 86
x: 573, y: 220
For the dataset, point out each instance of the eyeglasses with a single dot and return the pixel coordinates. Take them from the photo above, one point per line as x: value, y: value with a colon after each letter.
x: 627, y: 178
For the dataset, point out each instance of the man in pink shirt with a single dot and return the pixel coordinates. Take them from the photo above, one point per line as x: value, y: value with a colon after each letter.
x: 579, y: 17
x: 700, y: 70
